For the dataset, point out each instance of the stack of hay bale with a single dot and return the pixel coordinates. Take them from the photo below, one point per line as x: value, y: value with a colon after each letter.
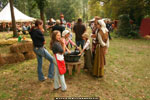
x: 2, y: 61
x: 147, y: 37
x: 18, y: 53
x: 8, y: 41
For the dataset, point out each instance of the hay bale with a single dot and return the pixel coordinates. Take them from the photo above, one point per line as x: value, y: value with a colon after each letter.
x: 21, y: 47
x: 2, y: 61
x: 147, y: 37
x: 13, y: 58
x: 29, y: 55
x: 14, y: 49
x: 9, y: 41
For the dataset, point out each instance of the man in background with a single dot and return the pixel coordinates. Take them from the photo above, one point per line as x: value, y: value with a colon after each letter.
x: 79, y: 28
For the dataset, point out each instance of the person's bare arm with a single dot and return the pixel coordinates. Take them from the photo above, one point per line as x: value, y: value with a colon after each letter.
x: 81, y: 52
x: 68, y: 50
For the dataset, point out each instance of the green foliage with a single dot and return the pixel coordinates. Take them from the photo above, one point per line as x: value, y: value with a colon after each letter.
x: 134, y: 34
x: 147, y: 16
x: 136, y: 9
x: 72, y: 9
x: 41, y: 4
x: 147, y: 7
x: 28, y: 7
x: 33, y: 10
x: 67, y: 10
x: 95, y: 9
x: 124, y: 27
x: 4, y: 3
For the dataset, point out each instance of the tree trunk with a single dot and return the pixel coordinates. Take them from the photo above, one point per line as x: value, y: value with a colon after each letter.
x: 13, y: 19
x: 42, y: 18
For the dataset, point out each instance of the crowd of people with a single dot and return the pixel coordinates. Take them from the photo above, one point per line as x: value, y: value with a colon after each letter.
x: 23, y: 28
x: 5, y: 27
x: 94, y: 60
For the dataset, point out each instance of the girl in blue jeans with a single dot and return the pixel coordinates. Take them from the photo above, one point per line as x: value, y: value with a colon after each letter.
x: 38, y: 43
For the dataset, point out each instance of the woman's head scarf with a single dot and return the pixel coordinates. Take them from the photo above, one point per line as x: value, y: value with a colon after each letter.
x: 103, y: 26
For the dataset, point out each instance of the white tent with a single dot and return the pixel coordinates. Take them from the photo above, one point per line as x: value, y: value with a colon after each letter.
x: 5, y: 15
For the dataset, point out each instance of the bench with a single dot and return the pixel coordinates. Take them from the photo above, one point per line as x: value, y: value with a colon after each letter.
x: 70, y: 65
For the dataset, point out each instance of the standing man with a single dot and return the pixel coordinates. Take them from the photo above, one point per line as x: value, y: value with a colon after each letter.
x: 38, y: 43
x: 50, y: 25
x: 62, y: 21
x: 79, y: 29
x: 108, y: 26
x: 58, y: 27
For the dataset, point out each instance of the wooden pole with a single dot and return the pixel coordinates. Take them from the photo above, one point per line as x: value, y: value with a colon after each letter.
x: 13, y: 19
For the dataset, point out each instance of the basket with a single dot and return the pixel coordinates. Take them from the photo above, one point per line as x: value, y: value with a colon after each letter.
x: 72, y: 57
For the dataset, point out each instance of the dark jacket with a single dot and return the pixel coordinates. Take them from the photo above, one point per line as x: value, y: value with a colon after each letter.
x: 79, y: 29
x: 37, y: 37
x: 58, y: 27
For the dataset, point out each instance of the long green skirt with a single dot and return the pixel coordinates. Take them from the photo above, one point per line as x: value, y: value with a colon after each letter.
x: 99, y: 62
x: 88, y: 60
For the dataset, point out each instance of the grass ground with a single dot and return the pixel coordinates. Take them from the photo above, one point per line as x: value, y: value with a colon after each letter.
x: 127, y: 76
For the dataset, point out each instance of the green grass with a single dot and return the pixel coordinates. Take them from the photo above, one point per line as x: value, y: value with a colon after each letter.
x: 127, y: 76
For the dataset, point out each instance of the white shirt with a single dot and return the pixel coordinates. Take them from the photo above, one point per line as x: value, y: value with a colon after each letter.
x: 87, y: 45
x: 102, y: 43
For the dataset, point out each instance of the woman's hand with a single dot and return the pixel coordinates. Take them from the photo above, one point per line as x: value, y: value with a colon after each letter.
x: 79, y: 54
x: 69, y: 51
x: 62, y: 42
x: 105, y: 51
x: 44, y: 42
x: 93, y: 35
x: 42, y: 29
x: 78, y: 48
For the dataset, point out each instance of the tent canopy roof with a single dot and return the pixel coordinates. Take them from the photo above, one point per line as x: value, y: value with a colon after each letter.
x: 5, y: 15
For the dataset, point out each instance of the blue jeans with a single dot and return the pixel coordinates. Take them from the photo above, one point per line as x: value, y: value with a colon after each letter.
x: 42, y: 52
x: 81, y: 42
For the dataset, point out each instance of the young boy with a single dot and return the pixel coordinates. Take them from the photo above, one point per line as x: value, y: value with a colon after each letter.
x: 87, y: 52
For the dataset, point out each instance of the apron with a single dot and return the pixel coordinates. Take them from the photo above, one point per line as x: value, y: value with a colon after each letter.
x: 60, y: 63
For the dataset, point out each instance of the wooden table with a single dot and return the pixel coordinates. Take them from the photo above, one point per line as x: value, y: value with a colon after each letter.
x: 70, y: 65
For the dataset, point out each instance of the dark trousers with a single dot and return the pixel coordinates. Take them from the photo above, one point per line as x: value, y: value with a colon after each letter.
x: 81, y: 42
x: 109, y: 35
